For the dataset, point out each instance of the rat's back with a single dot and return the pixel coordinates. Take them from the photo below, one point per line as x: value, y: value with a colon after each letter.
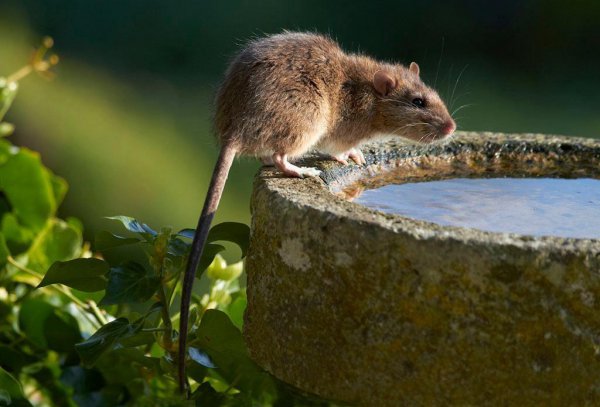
x: 278, y: 94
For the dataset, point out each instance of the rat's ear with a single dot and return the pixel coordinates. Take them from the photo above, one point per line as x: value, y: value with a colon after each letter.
x: 384, y: 83
x: 414, y: 68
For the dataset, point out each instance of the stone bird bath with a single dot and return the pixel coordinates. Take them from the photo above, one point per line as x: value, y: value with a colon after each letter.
x: 368, y: 308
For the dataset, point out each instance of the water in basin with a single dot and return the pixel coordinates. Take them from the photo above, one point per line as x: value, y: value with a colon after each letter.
x: 529, y: 206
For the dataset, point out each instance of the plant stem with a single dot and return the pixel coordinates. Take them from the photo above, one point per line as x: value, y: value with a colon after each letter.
x: 155, y: 329
x: 165, y: 311
x: 20, y: 74
x: 97, y: 313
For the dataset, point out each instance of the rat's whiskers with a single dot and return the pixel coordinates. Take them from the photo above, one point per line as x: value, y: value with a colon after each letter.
x: 462, y: 107
x: 456, y: 84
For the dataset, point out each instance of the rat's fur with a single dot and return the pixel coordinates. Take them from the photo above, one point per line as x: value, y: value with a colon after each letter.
x: 290, y: 92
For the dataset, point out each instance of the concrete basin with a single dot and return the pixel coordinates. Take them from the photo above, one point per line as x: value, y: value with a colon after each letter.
x: 368, y: 308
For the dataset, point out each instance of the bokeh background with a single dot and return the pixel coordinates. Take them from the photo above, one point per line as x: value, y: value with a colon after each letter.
x: 127, y: 119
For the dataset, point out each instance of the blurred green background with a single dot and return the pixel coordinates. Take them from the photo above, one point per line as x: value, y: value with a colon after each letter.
x: 127, y: 119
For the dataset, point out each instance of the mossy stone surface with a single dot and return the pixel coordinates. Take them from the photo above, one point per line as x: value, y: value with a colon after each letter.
x: 368, y: 308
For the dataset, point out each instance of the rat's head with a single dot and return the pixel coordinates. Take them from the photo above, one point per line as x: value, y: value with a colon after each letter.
x: 405, y: 106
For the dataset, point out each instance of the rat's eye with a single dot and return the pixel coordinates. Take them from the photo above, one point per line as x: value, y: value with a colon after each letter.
x: 418, y: 102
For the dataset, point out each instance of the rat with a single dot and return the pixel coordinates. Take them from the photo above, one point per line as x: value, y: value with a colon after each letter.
x: 286, y: 94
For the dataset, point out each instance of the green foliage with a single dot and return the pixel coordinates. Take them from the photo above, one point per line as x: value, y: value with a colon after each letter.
x: 83, y: 274
x: 60, y: 346
x: 128, y: 283
x: 11, y: 392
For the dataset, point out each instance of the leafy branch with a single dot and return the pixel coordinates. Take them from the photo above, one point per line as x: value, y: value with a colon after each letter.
x: 76, y: 327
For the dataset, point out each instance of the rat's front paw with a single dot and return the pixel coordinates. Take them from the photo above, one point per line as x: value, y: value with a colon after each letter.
x: 341, y: 158
x: 354, y: 153
x: 357, y: 156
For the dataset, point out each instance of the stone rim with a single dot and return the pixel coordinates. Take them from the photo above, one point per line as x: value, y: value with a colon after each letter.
x: 319, y: 194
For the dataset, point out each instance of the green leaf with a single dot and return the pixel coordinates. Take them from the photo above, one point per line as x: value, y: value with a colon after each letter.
x: 48, y: 327
x: 187, y: 233
x: 32, y: 316
x: 11, y: 393
x: 205, y: 395
x: 18, y: 238
x: 133, y: 225
x: 238, y: 233
x: 223, y: 342
x: 102, y: 341
x: 75, y: 223
x: 7, y: 150
x: 59, y: 241
x: 129, y: 282
x: 6, y: 129
x: 208, y: 256
x: 139, y: 337
x: 81, y: 380
x: 28, y: 187
x: 177, y: 247
x: 4, y: 252
x: 15, y: 359
x: 201, y: 358
x: 106, y: 240
x: 8, y: 91
x: 59, y: 187
x: 61, y: 331
x: 87, y: 275
x: 236, y: 310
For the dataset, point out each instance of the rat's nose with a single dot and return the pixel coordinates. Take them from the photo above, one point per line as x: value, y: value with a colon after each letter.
x: 448, y: 127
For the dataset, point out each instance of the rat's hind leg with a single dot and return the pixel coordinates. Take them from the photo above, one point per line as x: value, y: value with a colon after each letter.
x: 291, y: 170
x: 266, y: 160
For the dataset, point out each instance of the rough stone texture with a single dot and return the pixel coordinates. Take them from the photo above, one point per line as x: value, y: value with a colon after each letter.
x: 376, y: 309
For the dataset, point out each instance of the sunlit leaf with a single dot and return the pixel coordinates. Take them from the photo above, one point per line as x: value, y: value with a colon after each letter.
x: 187, y: 233
x: 59, y: 187
x: 87, y: 275
x: 208, y: 255
x: 6, y: 129
x: 201, y: 358
x: 75, y: 223
x: 236, y: 309
x: 133, y: 225
x: 28, y: 187
x: 128, y: 283
x: 8, y: 91
x: 59, y: 241
x: 219, y: 271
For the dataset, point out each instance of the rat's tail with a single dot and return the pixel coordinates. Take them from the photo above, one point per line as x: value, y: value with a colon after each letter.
x: 213, y: 196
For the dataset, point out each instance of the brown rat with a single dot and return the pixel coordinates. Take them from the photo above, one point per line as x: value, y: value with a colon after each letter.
x: 289, y: 93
